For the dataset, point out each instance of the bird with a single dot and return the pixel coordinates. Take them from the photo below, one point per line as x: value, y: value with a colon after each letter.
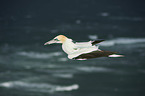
x: 82, y: 50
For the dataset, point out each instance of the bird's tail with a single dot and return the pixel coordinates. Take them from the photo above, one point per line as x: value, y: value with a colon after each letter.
x: 115, y: 55
x: 111, y: 54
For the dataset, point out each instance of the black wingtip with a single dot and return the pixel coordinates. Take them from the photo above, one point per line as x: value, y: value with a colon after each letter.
x: 97, y: 41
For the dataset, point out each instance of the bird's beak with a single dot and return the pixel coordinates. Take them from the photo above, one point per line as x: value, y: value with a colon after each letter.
x: 50, y: 42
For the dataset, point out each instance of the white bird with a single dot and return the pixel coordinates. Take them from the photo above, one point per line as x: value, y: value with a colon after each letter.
x: 82, y: 50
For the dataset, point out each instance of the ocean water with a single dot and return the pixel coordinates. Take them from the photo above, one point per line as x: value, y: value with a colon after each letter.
x: 44, y: 70
x: 28, y: 68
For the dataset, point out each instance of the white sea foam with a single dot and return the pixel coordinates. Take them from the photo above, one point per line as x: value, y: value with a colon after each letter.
x: 39, y: 55
x: 94, y: 69
x: 6, y: 84
x: 63, y: 75
x: 121, y: 40
x: 62, y: 59
x: 13, y: 84
x: 67, y: 88
x: 41, y: 87
x: 129, y: 40
x: 93, y: 37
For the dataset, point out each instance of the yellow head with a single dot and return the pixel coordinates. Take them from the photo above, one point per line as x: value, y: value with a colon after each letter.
x: 57, y: 39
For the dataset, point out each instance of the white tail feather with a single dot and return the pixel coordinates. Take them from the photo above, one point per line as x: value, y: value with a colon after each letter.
x: 115, y: 55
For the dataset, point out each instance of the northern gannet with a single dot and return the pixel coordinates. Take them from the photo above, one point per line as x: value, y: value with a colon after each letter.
x: 82, y: 50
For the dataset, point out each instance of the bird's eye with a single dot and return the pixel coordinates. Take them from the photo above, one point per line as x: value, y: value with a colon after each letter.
x: 56, y: 39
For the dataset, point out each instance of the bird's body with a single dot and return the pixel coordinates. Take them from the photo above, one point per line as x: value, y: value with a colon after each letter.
x: 68, y: 46
x: 83, y: 50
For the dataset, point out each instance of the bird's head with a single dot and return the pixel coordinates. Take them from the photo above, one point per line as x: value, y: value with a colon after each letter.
x: 57, y: 39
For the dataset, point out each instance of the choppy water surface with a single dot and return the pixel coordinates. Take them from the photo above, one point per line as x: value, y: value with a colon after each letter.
x: 47, y: 71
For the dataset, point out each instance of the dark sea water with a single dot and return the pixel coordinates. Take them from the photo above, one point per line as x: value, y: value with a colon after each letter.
x: 28, y: 68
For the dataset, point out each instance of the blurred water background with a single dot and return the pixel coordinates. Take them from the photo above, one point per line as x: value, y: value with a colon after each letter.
x: 28, y: 68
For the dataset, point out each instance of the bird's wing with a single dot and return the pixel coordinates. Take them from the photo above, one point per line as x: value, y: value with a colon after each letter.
x: 88, y: 44
x: 94, y: 54
x: 83, y: 44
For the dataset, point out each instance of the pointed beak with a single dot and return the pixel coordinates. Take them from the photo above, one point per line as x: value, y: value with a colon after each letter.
x: 50, y: 42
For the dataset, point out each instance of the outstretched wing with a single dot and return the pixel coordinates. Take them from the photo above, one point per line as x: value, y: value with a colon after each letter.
x: 94, y: 54
x: 87, y: 44
x: 83, y: 44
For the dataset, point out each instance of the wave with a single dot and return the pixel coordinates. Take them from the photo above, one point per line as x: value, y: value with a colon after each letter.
x: 39, y: 55
x: 68, y: 76
x: 120, y: 40
x: 94, y: 69
x: 62, y: 59
x: 67, y: 88
x: 40, y: 87
x: 93, y: 37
